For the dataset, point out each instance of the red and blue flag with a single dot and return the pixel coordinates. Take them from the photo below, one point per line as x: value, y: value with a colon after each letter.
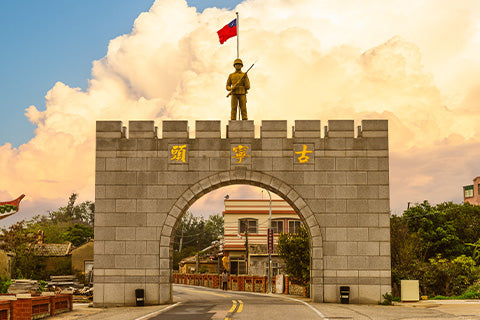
x: 228, y: 31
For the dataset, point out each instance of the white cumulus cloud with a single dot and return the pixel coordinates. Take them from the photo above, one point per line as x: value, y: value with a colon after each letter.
x: 414, y: 63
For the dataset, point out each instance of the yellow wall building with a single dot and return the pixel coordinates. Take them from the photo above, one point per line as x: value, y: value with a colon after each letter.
x: 82, y: 258
x: 251, y: 216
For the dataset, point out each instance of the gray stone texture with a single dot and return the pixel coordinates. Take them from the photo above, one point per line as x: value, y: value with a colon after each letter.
x: 341, y: 193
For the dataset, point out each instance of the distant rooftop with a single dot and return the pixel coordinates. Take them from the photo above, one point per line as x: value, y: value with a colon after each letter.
x: 52, y: 249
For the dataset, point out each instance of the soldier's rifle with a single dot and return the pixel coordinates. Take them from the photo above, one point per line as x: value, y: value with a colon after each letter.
x: 238, y: 82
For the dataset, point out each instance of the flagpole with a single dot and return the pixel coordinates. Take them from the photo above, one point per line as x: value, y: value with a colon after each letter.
x: 238, y: 35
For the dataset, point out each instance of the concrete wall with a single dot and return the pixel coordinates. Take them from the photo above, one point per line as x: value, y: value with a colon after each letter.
x: 341, y: 193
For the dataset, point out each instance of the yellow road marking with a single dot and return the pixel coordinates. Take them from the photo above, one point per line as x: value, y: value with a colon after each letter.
x: 211, y: 293
x: 236, y: 303
x: 234, y: 306
x: 240, y: 307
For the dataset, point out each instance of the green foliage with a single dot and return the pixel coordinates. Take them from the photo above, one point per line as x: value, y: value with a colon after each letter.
x: 70, y: 223
x: 387, y: 299
x: 28, y: 266
x: 82, y: 213
x: 444, y: 228
x: 194, y: 234
x: 5, y: 283
x: 450, y: 277
x: 63, y: 267
x: 406, y: 251
x: 202, y: 269
x: 294, y: 249
x: 78, y: 234
x: 472, y: 292
x: 438, y: 245
x: 42, y: 285
x: 18, y: 240
x: 476, y: 251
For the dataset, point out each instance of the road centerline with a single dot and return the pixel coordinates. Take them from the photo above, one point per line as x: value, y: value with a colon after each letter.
x: 240, y: 306
x: 234, y: 306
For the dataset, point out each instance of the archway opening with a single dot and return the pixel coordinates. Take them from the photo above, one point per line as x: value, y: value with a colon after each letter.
x: 242, y: 249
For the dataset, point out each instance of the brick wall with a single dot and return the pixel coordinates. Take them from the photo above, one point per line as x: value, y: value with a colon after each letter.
x: 36, y: 307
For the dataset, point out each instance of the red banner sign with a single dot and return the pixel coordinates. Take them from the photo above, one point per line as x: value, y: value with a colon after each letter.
x: 270, y: 241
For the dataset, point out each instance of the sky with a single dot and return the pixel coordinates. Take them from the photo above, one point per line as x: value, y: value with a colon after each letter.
x: 67, y: 63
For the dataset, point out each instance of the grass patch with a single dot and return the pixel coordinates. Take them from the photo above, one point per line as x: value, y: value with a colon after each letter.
x: 472, y: 292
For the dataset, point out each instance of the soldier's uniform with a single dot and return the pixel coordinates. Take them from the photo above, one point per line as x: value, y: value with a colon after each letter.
x: 239, y: 93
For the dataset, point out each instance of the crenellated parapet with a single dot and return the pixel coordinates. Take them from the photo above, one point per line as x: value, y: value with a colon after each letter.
x: 337, y: 135
x: 243, y: 129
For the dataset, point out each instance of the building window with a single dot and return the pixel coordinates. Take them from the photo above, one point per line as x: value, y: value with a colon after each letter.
x: 247, y: 224
x: 293, y: 226
x: 277, y: 226
x: 468, y: 191
x: 238, y: 266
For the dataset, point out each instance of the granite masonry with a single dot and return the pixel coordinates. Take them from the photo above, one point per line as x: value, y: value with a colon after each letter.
x: 336, y: 179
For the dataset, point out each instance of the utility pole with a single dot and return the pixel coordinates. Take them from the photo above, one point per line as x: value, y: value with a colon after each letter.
x: 246, y: 247
x: 269, y: 252
x: 181, y: 241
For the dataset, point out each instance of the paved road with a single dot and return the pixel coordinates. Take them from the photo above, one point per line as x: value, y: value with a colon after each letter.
x: 204, y: 304
x: 200, y: 303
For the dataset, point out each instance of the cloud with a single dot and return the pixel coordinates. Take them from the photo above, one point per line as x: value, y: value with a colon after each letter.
x: 414, y: 65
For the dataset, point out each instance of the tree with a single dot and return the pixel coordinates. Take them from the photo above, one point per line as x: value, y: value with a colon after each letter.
x: 445, y: 228
x: 78, y: 234
x: 19, y: 240
x: 407, y: 254
x: 294, y: 249
x: 450, y: 277
x: 56, y: 225
x: 82, y: 213
x: 438, y: 245
x: 70, y: 223
x: 194, y: 234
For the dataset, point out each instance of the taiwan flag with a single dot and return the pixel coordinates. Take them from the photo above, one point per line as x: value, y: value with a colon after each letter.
x: 230, y: 30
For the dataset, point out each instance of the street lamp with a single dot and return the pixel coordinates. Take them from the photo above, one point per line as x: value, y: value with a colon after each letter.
x: 269, y: 252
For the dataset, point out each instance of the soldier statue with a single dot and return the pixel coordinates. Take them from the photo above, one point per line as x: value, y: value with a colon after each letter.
x: 238, y: 84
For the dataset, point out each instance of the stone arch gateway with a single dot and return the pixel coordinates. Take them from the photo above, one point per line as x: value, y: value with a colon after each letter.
x: 338, y: 184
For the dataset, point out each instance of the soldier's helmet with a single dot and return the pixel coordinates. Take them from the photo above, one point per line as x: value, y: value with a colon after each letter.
x: 237, y: 61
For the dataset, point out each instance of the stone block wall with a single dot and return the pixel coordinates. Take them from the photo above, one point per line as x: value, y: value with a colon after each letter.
x: 336, y: 179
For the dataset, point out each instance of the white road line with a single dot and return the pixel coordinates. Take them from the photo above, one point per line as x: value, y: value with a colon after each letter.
x: 307, y: 304
x: 158, y: 312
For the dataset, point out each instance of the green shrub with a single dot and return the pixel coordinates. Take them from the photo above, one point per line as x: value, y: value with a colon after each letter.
x: 5, y: 283
x: 42, y: 285
x: 440, y: 297
x: 472, y: 292
x: 202, y: 269
x: 447, y: 277
x: 387, y: 299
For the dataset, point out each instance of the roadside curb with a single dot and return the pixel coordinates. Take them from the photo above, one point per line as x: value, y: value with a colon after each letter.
x: 152, y: 314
